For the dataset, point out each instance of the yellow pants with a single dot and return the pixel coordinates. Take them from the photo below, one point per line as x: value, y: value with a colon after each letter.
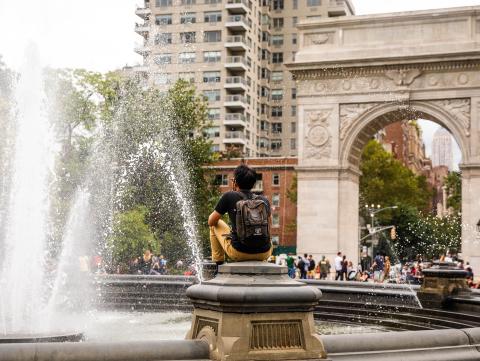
x: 222, y: 244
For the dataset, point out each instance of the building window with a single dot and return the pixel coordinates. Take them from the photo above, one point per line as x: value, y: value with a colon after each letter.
x: 293, y: 144
x: 187, y: 76
x: 163, y: 78
x: 277, y: 40
x: 275, y: 240
x: 214, y: 113
x: 215, y: 148
x: 313, y: 2
x: 277, y: 4
x: 212, y: 56
x: 294, y: 93
x: 163, y: 3
x: 277, y: 58
x: 212, y: 95
x: 293, y: 127
x: 163, y: 59
x: 294, y: 21
x: 276, y: 145
x: 294, y: 39
x: 275, y: 220
x: 295, y: 4
x: 276, y: 200
x: 213, y: 1
x: 212, y: 36
x: 277, y: 111
x: 276, y: 128
x: 188, y: 18
x: 188, y: 2
x: 212, y: 16
x: 165, y: 19
x: 277, y: 94
x: 278, y: 22
x: 211, y: 77
x: 212, y: 132
x: 186, y: 58
x: 293, y: 111
x: 276, y: 179
x: 187, y: 37
x: 163, y: 39
x: 277, y: 75
x: 221, y: 179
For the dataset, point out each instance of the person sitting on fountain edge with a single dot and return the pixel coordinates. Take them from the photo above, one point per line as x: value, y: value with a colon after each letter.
x: 249, y: 214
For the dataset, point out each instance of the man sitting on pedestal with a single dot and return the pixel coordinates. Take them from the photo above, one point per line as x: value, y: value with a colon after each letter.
x: 249, y: 214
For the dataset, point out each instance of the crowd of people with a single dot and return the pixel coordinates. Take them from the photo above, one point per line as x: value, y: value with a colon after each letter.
x: 379, y: 270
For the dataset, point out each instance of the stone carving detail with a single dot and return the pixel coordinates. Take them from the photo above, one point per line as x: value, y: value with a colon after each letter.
x: 319, y: 39
x: 276, y: 335
x: 349, y: 113
x: 459, y: 108
x: 402, y: 76
x: 318, y: 137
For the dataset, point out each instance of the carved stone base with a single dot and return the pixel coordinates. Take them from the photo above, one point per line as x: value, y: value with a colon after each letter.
x: 440, y: 282
x: 254, y: 311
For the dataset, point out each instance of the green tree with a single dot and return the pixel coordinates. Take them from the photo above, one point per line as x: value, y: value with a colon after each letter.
x: 453, y: 184
x: 386, y: 181
x: 131, y: 236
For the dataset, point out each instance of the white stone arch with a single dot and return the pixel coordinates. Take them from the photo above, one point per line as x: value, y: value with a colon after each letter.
x: 380, y: 115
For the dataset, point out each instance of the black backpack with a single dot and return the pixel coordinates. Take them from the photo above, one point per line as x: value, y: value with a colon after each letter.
x: 252, y: 221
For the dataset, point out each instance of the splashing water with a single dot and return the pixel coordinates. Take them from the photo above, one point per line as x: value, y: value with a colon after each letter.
x: 21, y: 278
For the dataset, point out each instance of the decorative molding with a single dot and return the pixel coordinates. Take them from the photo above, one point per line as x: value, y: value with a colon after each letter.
x: 318, y: 39
x: 318, y: 138
x: 351, y: 112
x: 304, y: 72
x: 403, y: 76
x: 459, y: 108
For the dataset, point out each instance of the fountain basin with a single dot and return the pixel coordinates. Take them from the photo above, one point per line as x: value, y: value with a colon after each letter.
x: 41, y: 338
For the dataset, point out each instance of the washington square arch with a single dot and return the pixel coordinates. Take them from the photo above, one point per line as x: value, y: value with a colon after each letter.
x: 355, y: 75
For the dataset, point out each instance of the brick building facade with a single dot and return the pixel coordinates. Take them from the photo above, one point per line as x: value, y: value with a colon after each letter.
x: 276, y: 178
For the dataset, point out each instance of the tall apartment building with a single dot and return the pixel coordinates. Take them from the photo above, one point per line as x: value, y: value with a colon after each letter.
x: 442, y: 152
x: 233, y: 50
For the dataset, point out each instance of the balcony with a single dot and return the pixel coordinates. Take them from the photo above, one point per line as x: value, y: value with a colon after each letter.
x: 144, y: 12
x: 235, y: 102
x: 237, y: 6
x: 234, y: 137
x: 142, y: 29
x: 340, y: 8
x: 236, y: 42
x: 237, y: 83
x: 237, y: 23
x: 142, y: 49
x: 141, y: 69
x: 237, y: 63
x: 235, y: 120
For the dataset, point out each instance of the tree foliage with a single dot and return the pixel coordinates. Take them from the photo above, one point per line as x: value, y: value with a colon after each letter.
x: 453, y: 184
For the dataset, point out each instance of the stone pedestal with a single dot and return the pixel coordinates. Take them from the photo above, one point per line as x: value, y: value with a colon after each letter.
x: 440, y: 282
x: 254, y: 311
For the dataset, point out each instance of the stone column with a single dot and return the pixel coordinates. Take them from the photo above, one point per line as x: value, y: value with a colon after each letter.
x: 327, y: 220
x: 471, y: 215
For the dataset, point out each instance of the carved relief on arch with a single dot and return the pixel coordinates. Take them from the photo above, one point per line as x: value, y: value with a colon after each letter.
x: 351, y: 112
x: 318, y: 140
x: 460, y: 109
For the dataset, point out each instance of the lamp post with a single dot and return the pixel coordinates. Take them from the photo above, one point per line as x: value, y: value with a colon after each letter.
x: 373, y: 210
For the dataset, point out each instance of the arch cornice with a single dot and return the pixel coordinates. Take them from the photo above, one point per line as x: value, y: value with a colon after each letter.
x: 378, y: 115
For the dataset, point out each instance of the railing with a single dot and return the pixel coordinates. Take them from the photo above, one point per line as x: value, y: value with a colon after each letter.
x: 244, y: 2
x: 146, y: 24
x: 337, y: 2
x: 235, y: 116
x: 234, y: 135
x: 237, y: 59
x: 236, y: 80
x: 235, y: 98
x: 236, y: 39
x: 237, y: 19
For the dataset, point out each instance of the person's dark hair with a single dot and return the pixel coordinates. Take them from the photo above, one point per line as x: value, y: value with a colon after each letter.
x: 305, y: 255
x: 245, y: 177
x: 339, y: 253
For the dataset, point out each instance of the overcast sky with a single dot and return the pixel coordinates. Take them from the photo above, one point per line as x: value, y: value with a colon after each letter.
x: 98, y: 34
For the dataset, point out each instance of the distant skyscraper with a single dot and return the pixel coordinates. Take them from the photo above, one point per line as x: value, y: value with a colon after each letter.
x: 442, y: 153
